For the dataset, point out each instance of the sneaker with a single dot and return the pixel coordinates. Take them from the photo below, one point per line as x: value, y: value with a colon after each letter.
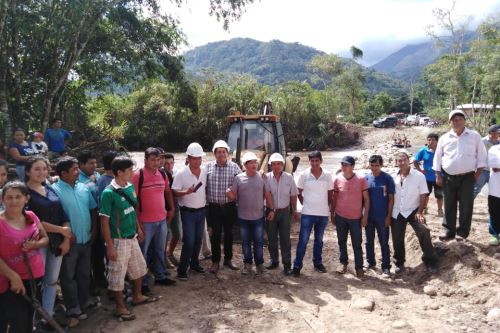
x: 386, y: 273
x: 247, y: 269
x: 399, y: 269
x: 165, y: 282
x: 440, y: 213
x: 494, y: 241
x: 432, y: 269
x: 320, y: 268
x: 272, y: 265
x: 198, y: 269
x: 296, y: 272
x: 342, y: 269
x: 360, y: 273
x: 445, y: 237
x: 229, y: 264
x: 260, y: 269
x: 287, y: 270
x: 460, y: 238
x: 168, y: 264
x: 79, y: 316
x: 214, y: 268
x: 173, y: 260
x: 367, y: 266
x: 182, y: 276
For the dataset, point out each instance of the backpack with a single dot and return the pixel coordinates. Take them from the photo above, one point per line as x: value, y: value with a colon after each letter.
x: 141, y: 182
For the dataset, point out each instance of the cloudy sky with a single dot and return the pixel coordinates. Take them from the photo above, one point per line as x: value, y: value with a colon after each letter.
x: 378, y: 27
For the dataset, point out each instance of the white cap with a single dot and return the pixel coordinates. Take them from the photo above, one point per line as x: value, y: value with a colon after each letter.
x: 249, y: 156
x: 276, y: 157
x: 455, y: 112
x: 194, y: 149
x: 220, y: 144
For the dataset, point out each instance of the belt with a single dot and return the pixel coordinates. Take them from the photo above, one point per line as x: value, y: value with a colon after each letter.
x: 191, y: 210
x: 281, y: 210
x: 461, y: 174
x: 227, y: 204
x: 130, y: 237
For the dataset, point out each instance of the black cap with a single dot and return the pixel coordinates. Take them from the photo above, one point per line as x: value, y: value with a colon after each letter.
x: 348, y: 160
x: 494, y: 128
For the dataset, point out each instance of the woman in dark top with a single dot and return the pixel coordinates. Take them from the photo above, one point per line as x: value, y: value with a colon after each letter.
x: 20, y: 150
x: 45, y: 203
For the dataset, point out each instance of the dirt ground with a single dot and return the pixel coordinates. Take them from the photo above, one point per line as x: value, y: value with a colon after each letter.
x: 457, y: 299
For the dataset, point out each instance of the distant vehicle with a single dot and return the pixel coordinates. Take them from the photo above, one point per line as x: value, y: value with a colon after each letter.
x: 390, y: 121
x: 411, y: 120
x: 423, y: 121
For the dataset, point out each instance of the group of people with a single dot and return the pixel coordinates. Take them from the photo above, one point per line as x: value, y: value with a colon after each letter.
x: 51, y: 145
x: 86, y: 224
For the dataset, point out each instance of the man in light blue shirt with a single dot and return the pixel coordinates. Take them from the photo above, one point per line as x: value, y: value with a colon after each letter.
x: 80, y: 207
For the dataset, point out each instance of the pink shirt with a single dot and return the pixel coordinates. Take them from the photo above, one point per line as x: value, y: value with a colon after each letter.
x: 11, y: 242
x: 152, y: 196
x: 350, y: 196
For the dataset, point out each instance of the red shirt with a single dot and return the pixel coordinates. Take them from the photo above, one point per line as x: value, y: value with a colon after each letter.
x: 152, y: 196
x: 349, y: 196
x: 11, y: 242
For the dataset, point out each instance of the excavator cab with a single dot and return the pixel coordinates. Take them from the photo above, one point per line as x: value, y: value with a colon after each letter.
x: 261, y: 134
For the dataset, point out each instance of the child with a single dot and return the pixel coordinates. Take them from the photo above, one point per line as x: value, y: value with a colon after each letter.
x: 21, y: 237
x: 122, y: 235
x: 39, y: 145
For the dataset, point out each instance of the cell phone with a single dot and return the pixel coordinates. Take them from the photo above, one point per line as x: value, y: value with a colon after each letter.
x: 198, y: 186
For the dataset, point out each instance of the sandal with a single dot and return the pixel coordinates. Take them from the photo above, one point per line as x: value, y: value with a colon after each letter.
x: 125, y: 316
x: 146, y: 300
x: 342, y: 269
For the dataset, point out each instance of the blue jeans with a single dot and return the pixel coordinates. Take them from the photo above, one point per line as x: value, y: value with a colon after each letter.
x: 193, y: 228
x: 155, y: 236
x: 483, y: 179
x: 49, y: 288
x: 307, y: 222
x: 383, y: 238
x: 344, y: 226
x: 20, y: 172
x: 252, y: 233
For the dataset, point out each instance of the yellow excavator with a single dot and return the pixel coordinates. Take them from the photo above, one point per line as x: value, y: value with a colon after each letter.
x: 261, y: 134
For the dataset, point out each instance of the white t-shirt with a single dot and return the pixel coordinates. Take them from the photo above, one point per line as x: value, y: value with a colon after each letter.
x: 494, y: 162
x: 183, y: 180
x: 315, y: 192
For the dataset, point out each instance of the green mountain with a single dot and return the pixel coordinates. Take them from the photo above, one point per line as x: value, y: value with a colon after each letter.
x: 409, y: 62
x: 272, y: 63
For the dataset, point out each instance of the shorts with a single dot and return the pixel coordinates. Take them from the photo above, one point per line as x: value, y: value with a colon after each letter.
x: 438, y: 190
x: 129, y: 259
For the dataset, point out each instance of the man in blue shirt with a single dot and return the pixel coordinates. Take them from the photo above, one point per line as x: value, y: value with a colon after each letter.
x: 56, y: 138
x: 426, y: 155
x: 381, y: 189
x: 80, y: 207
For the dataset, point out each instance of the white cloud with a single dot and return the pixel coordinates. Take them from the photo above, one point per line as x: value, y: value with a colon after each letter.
x: 328, y: 25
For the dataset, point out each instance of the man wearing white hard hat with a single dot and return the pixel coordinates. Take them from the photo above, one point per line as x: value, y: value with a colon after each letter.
x: 249, y: 190
x: 221, y: 212
x: 284, y: 193
x: 458, y: 162
x: 189, y: 187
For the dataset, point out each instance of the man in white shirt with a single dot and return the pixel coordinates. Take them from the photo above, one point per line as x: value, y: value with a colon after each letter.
x: 189, y: 187
x: 409, y: 203
x: 494, y: 194
x: 315, y: 187
x: 458, y: 162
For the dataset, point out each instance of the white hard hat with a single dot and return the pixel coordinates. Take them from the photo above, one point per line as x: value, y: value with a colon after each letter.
x: 194, y: 149
x: 276, y: 157
x: 220, y: 144
x: 249, y: 156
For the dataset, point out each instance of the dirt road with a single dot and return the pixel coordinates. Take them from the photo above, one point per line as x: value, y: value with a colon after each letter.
x: 457, y: 299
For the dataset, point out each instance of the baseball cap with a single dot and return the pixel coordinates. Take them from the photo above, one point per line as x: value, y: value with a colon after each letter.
x: 454, y: 113
x: 348, y: 160
x: 494, y: 128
